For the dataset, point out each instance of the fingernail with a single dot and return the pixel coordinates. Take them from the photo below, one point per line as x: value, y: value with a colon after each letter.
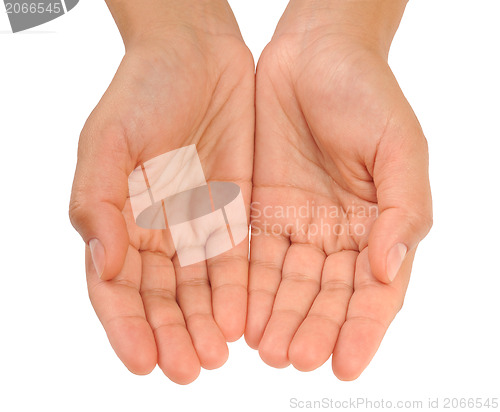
x: 395, y: 259
x: 98, y: 255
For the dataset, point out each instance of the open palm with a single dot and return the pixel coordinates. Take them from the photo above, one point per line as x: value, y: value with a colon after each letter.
x: 186, y: 88
x: 340, y: 197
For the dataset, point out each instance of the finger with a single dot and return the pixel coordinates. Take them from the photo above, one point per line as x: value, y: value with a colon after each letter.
x: 176, y: 354
x: 228, y: 275
x: 119, y: 307
x: 99, y: 194
x: 267, y: 254
x: 315, y: 339
x: 372, y: 308
x: 194, y: 298
x: 404, y: 197
x: 299, y: 287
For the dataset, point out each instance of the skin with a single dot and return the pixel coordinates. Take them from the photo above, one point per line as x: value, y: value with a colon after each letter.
x: 189, y: 80
x: 333, y: 129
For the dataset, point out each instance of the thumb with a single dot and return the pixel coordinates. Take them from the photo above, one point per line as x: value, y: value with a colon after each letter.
x: 99, y: 193
x: 401, y: 177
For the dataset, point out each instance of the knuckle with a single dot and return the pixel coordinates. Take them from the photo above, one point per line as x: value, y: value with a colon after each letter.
x: 424, y: 142
x: 421, y: 221
x: 400, y: 304
x: 426, y: 221
x: 77, y: 211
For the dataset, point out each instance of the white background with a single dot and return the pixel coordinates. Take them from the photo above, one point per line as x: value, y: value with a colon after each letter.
x: 54, y: 355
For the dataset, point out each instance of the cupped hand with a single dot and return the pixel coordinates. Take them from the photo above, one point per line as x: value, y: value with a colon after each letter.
x: 190, y: 84
x: 341, y: 199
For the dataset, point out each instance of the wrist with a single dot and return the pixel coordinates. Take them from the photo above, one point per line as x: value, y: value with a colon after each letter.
x: 369, y: 23
x: 151, y: 20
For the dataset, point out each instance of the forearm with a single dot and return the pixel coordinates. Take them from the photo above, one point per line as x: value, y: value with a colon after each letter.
x: 373, y: 22
x: 139, y: 20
